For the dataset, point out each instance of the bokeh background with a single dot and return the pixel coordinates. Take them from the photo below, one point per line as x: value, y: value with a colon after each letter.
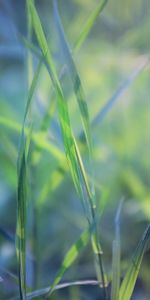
x: 113, y: 63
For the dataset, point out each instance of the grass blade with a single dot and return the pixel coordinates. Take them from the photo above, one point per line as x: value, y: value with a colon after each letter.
x: 22, y: 192
x: 120, y: 92
x: 45, y: 291
x: 116, y: 270
x: 62, y: 105
x: 53, y: 181
x: 38, y: 138
x: 21, y: 218
x: 89, y: 24
x: 69, y: 142
x: 70, y: 257
x: 131, y: 275
x: 116, y: 257
x: 80, y: 40
x: 32, y: 88
x: 77, y: 86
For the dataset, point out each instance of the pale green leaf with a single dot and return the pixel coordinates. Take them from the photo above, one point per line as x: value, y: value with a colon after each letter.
x: 131, y: 275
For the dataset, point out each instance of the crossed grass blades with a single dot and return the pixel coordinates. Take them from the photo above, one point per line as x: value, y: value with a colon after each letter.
x: 83, y: 186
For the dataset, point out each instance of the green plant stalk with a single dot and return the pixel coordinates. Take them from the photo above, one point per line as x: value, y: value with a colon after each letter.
x: 36, y: 268
x: 128, y: 283
x: 89, y: 24
x: 95, y: 237
x: 21, y: 210
x: 77, y: 45
x: 29, y: 38
x: 62, y: 105
x: 116, y: 256
x: 80, y: 97
x: 22, y: 186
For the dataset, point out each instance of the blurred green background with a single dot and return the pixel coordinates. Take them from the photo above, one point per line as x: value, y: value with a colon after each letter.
x: 113, y: 62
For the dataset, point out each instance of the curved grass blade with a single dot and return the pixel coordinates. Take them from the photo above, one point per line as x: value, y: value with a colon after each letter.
x: 62, y: 104
x: 71, y: 256
x: 30, y: 46
x: 29, y: 37
x: 103, y: 113
x: 83, y: 35
x: 38, y: 138
x: 53, y: 181
x: 89, y: 24
x: 13, y: 125
x: 69, y: 143
x: 80, y: 40
x: 78, y: 90
x: 22, y: 193
x: 131, y: 275
x: 77, y: 86
x: 45, y: 291
x: 94, y: 238
x: 32, y: 88
x: 116, y: 257
x: 119, y: 92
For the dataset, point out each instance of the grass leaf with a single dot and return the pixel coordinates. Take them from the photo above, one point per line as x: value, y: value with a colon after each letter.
x: 71, y: 255
x: 116, y: 257
x: 131, y: 275
x: 22, y: 192
x: 69, y: 141
x: 120, y: 92
x: 38, y: 138
x: 89, y: 24
x: 77, y: 86
x: 32, y: 88
x: 62, y: 104
x: 80, y: 40
x: 21, y: 218
x: 45, y: 291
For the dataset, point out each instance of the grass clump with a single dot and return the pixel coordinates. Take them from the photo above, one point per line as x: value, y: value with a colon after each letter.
x: 47, y: 156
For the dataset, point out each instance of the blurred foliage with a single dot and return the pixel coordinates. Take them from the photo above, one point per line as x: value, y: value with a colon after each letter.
x: 115, y: 47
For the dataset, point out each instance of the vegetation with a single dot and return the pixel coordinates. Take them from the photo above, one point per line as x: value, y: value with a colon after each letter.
x: 75, y: 192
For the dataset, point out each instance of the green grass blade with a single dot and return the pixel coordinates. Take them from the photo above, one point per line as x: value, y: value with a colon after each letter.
x: 116, y: 257
x: 62, y: 104
x: 53, y: 181
x: 71, y: 256
x: 95, y: 236
x: 89, y: 24
x: 30, y: 46
x: 45, y: 291
x: 131, y: 275
x: 22, y: 192
x: 32, y: 88
x: 120, y: 92
x: 69, y: 142
x: 38, y: 138
x: 77, y: 86
x: 83, y: 35
x: 116, y: 270
x: 21, y: 219
x: 21, y: 210
x: 44, y: 46
x: 29, y: 37
x: 10, y: 124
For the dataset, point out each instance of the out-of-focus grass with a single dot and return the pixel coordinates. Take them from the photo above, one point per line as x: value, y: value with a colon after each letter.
x: 113, y: 50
